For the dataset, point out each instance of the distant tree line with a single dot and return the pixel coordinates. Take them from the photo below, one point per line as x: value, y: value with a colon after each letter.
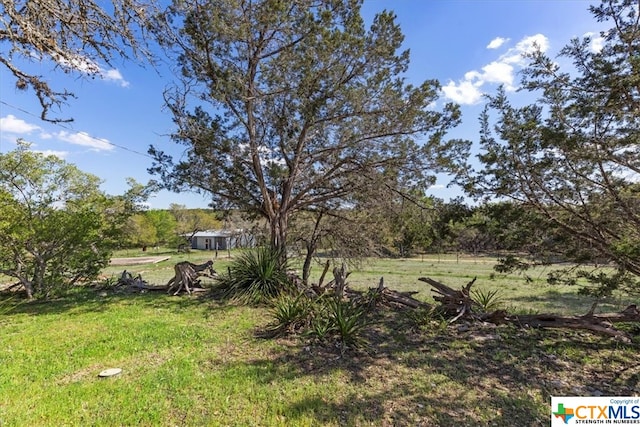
x: 432, y: 225
x: 173, y: 227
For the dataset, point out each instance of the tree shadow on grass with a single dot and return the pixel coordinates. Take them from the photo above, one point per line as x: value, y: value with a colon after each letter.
x: 567, y: 304
x: 388, y: 395
x: 91, y: 300
x: 480, y: 375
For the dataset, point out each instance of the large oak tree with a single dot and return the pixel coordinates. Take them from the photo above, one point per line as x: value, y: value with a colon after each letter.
x: 290, y: 106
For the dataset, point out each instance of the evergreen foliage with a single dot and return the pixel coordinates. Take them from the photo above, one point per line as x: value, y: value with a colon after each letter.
x: 573, y: 155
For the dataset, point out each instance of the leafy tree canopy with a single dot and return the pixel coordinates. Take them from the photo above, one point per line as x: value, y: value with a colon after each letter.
x: 291, y: 106
x: 190, y: 221
x: 56, y: 226
x: 574, y: 155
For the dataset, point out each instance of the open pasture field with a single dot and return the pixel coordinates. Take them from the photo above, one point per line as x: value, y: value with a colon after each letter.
x: 197, y: 361
x: 516, y: 291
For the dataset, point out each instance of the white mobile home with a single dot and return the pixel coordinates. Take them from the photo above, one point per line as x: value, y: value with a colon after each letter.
x: 212, y: 240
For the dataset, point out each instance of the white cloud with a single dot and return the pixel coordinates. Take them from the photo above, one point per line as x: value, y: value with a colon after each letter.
x: 497, y: 42
x: 464, y: 92
x: 528, y: 45
x: 12, y: 124
x: 59, y: 154
x: 115, y: 76
x: 86, y: 65
x: 85, y: 140
x: 502, y: 71
x: 597, y: 42
x: 498, y: 72
x: 437, y: 187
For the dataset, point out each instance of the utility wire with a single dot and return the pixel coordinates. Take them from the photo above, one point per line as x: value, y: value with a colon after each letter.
x: 104, y: 141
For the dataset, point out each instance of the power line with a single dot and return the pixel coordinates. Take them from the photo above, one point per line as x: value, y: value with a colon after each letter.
x: 101, y: 140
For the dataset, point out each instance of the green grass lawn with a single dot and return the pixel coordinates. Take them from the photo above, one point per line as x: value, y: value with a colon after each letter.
x: 517, y: 293
x: 195, y: 361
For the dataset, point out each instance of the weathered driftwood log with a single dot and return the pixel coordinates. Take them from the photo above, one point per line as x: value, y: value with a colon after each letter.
x: 136, y: 284
x: 391, y: 297
x: 324, y: 273
x: 456, y: 303
x: 338, y: 285
x: 384, y: 295
x: 460, y: 304
x: 387, y: 297
x: 340, y: 280
x: 205, y: 269
x: 319, y: 289
x: 187, y: 276
x: 603, y: 323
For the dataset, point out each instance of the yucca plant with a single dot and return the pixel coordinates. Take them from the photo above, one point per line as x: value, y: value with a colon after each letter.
x: 348, y: 321
x: 426, y: 318
x: 290, y: 313
x: 372, y: 299
x: 320, y: 328
x: 257, y: 276
x: 487, y: 300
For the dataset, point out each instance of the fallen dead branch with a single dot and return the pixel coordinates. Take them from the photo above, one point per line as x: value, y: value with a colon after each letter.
x: 460, y: 304
x: 395, y: 298
x: 186, y: 279
x: 598, y: 323
x: 456, y: 303
x: 136, y: 284
x: 339, y: 287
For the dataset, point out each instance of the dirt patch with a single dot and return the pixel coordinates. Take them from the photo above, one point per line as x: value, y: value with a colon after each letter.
x: 138, y: 260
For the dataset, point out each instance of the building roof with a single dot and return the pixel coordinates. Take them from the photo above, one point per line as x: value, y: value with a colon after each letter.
x: 212, y: 233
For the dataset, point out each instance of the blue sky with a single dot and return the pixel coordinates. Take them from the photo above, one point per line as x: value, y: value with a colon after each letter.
x: 470, y: 46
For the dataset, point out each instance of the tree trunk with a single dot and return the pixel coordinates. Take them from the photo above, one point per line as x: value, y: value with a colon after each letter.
x: 28, y: 287
x: 279, y: 228
x: 311, y: 246
x: 306, y: 266
x: 37, y: 284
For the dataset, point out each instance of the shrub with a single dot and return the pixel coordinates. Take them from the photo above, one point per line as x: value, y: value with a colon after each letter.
x: 348, y: 320
x: 257, y: 276
x: 291, y: 314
